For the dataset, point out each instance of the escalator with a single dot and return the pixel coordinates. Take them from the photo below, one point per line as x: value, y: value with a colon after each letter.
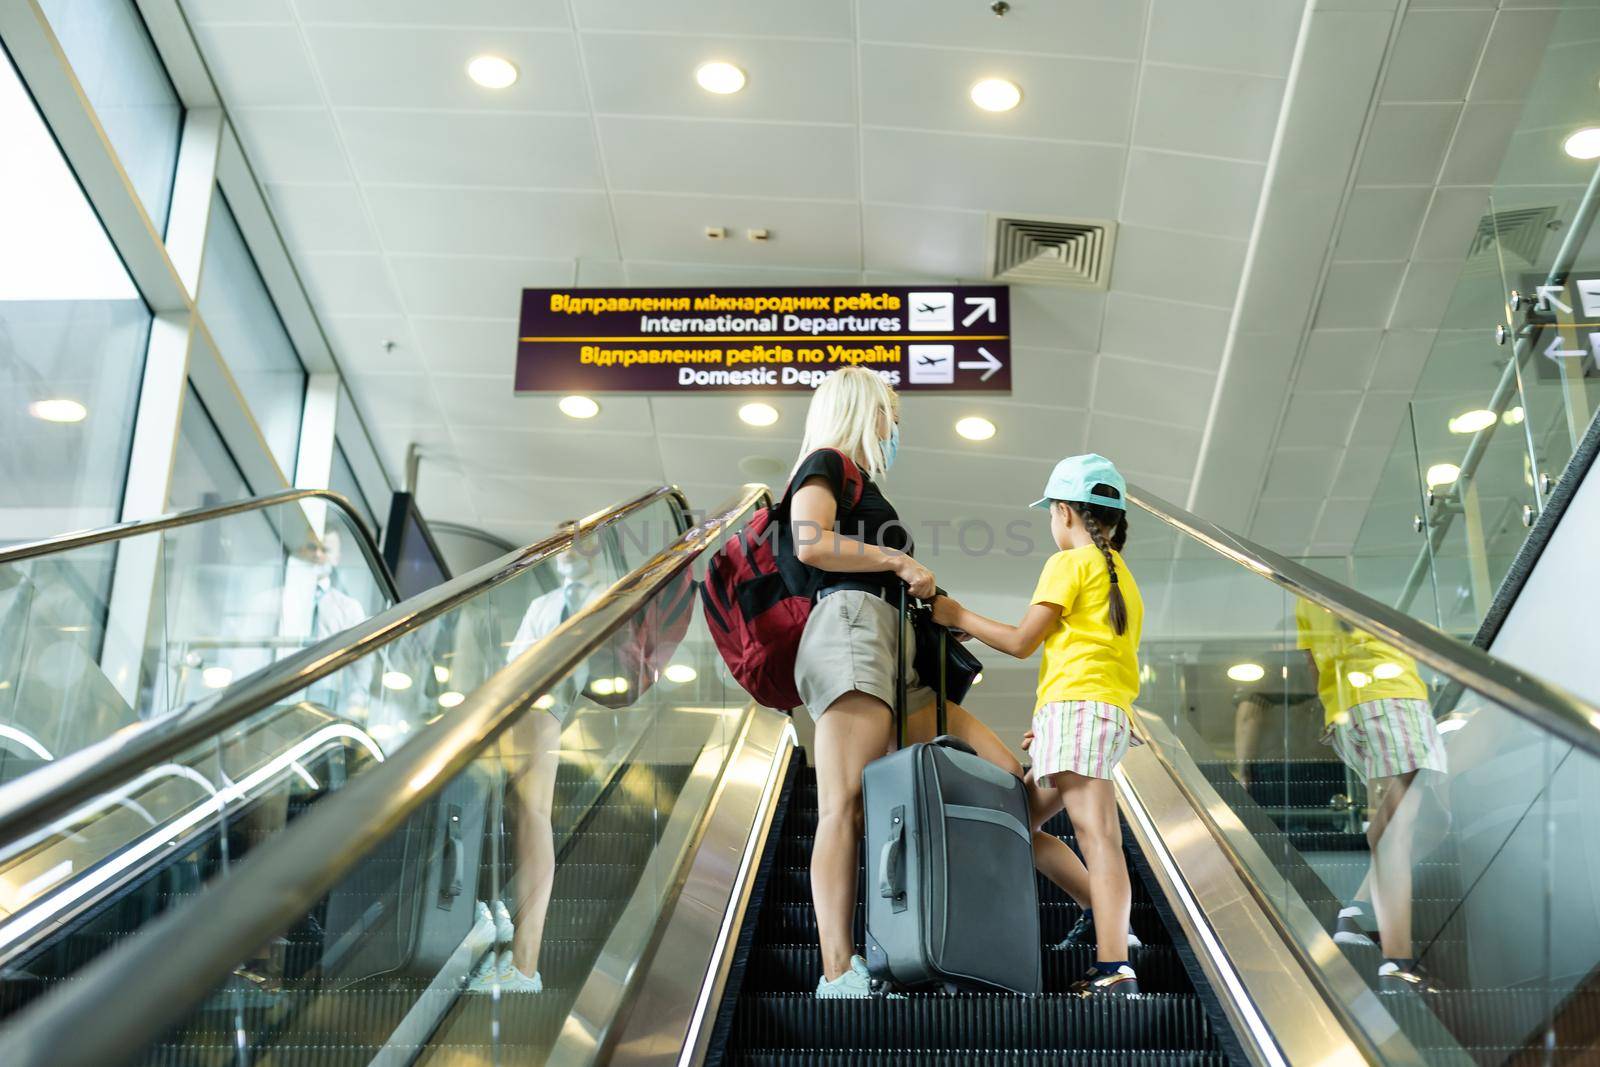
x: 648, y: 830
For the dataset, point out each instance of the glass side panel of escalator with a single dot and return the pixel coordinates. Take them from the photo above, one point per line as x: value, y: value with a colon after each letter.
x: 71, y: 890
x: 99, y: 638
x: 1429, y: 852
x: 469, y: 934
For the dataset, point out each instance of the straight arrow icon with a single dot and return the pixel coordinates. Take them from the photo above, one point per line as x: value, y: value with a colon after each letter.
x: 988, y: 364
x: 1547, y: 296
x: 981, y: 306
x: 1554, y: 351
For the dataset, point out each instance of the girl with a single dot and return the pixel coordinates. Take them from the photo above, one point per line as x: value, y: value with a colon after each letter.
x: 845, y: 668
x: 1087, y: 613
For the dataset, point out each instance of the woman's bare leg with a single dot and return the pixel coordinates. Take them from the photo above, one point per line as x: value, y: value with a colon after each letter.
x: 539, y: 747
x: 1092, y: 806
x: 855, y: 730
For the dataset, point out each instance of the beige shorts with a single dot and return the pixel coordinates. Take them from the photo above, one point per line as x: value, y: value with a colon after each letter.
x: 848, y: 646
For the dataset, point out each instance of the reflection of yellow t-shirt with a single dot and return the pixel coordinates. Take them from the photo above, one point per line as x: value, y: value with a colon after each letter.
x: 1084, y: 659
x: 1353, y: 666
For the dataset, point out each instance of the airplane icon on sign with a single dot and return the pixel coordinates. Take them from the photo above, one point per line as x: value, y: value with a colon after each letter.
x: 930, y: 361
x: 928, y: 309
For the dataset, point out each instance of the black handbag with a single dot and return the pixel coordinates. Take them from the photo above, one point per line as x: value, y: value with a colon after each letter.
x: 940, y: 657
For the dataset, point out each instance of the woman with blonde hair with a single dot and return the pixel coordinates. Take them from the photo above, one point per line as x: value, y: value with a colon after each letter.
x: 845, y: 670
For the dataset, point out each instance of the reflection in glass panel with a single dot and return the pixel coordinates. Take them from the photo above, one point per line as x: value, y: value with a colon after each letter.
x: 72, y: 340
x: 342, y: 480
x: 203, y: 471
x: 240, y: 314
x: 115, y: 61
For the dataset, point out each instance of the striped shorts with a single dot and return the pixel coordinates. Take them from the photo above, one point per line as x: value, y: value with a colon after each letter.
x: 1086, y: 737
x: 1385, y: 738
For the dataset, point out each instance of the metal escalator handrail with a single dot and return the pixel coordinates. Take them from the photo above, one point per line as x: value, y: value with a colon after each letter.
x: 139, y: 989
x: 137, y: 527
x: 35, y: 800
x: 1547, y: 706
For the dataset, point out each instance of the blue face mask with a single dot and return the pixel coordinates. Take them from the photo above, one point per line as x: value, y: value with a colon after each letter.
x: 891, y: 446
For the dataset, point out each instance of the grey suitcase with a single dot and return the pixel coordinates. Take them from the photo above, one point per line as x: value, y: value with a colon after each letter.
x: 951, y: 897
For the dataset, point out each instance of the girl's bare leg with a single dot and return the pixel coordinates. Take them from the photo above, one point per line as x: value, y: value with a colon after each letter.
x: 1092, y: 805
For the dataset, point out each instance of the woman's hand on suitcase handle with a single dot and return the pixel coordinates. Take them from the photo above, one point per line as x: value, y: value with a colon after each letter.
x: 919, y: 579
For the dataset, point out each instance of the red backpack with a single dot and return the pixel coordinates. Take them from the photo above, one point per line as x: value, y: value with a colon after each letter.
x: 758, y: 595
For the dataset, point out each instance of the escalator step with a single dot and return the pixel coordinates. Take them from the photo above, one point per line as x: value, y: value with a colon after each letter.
x: 971, y: 1021
x: 991, y: 1058
x: 780, y: 968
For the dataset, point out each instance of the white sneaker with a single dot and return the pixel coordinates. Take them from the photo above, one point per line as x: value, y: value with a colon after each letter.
x: 854, y: 983
x: 504, y: 929
x: 497, y: 972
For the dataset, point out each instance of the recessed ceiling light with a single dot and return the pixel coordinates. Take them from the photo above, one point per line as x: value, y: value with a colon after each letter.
x: 1513, y: 417
x: 450, y: 698
x: 681, y: 673
x: 1584, y: 144
x: 1472, y: 421
x: 441, y: 673
x: 975, y: 428
x: 492, y: 72
x: 58, y: 410
x: 216, y: 677
x: 1246, y: 672
x: 545, y: 702
x: 1359, y: 679
x: 977, y: 678
x: 1450, y: 724
x: 579, y: 407
x: 758, y: 413
x: 396, y: 680
x: 1443, y: 474
x: 720, y: 78
x: 1388, y: 670
x: 996, y: 94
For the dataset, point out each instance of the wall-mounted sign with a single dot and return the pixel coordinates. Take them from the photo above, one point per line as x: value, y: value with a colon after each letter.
x: 954, y: 338
x: 1569, y: 345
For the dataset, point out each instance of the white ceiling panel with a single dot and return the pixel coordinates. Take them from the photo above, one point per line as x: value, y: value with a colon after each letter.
x: 1378, y: 418
x: 1382, y: 223
x: 491, y: 405
x: 715, y: 18
x: 954, y: 170
x: 260, y: 66
x: 1300, y: 474
x: 1406, y: 144
x: 1360, y: 469
x: 1021, y: 432
x: 639, y: 272
x: 1178, y: 108
x: 1516, y: 47
x: 479, y: 286
x: 917, y: 240
x: 1143, y: 446
x: 1174, y: 192
x: 553, y: 452
x: 1050, y: 377
x: 495, y: 222
x: 450, y: 497
x: 1451, y: 221
x: 1319, y: 419
x: 653, y: 74
x: 531, y: 14
x: 1338, y: 359
x: 1480, y: 147
x: 1191, y: 267
x: 359, y: 341
x: 1424, y: 294
x: 1436, y: 54
x: 1152, y: 391
x: 397, y: 400
x: 1359, y: 295
x: 672, y: 228
x: 349, y: 283
x: 1284, y: 522
x: 466, y: 149
x: 718, y: 416
x: 1108, y: 28
x: 1248, y: 36
x: 729, y: 158
x: 294, y: 145
x: 535, y: 505
x: 468, y: 346
x: 258, y: 11
x: 424, y: 67
x: 1400, y: 359
x: 1161, y: 331
x: 927, y: 89
x: 323, y: 218
x: 1047, y: 317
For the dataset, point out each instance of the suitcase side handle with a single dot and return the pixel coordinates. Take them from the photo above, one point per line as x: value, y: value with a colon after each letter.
x: 453, y: 869
x: 891, y: 861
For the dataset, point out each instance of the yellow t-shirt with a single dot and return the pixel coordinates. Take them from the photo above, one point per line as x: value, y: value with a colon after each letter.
x: 1084, y: 658
x: 1353, y: 666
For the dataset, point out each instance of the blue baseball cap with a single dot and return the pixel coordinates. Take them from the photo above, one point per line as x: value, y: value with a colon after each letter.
x: 1075, y: 477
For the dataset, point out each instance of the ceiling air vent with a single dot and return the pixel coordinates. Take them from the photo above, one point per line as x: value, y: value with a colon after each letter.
x: 1046, y: 251
x: 1519, y: 232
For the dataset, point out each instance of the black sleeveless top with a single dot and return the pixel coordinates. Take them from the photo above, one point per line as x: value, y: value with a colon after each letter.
x: 873, y: 520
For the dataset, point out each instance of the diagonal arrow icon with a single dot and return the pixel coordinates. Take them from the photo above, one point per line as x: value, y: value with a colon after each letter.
x: 1547, y: 296
x: 981, y: 306
x: 989, y: 364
